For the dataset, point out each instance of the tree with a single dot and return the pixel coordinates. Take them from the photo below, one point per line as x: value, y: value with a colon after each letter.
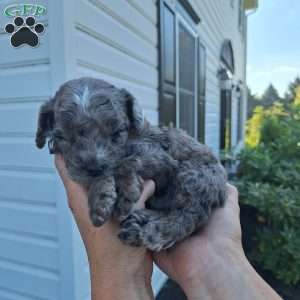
x: 252, y: 102
x: 297, y: 97
x: 270, y: 96
x: 291, y: 93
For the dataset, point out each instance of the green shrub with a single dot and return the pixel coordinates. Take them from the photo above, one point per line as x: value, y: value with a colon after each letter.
x: 268, y: 178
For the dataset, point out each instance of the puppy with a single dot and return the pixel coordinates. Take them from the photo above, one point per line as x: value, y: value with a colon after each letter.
x: 108, y: 147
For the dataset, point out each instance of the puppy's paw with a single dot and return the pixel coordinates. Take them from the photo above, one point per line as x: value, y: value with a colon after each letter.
x: 131, y: 235
x: 102, y: 198
x: 101, y: 210
x: 132, y: 229
x: 143, y: 228
x: 129, y: 192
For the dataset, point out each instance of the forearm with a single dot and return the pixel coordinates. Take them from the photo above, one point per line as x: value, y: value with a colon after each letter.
x: 114, y: 290
x: 228, y: 276
x: 114, y: 286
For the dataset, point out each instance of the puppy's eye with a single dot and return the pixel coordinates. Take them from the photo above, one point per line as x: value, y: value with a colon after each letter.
x: 101, y: 101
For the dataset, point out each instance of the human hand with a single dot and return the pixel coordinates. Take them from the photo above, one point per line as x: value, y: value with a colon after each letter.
x: 112, y: 263
x: 196, y: 255
x: 212, y: 264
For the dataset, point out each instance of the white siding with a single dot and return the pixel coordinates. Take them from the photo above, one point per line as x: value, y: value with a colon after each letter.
x: 118, y: 43
x: 41, y: 253
x: 219, y: 21
x: 29, y: 252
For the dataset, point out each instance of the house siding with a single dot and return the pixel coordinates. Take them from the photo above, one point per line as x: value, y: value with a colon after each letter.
x: 119, y: 43
x: 29, y: 252
x: 41, y: 253
x: 219, y: 21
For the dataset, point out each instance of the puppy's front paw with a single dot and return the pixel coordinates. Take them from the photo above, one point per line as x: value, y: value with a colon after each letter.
x: 102, y: 198
x: 101, y: 211
x: 129, y: 192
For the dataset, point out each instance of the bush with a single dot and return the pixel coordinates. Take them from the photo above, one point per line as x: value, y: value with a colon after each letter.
x: 268, y: 178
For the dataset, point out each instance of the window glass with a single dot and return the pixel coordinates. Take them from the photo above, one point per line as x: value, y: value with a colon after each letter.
x: 201, y: 92
x: 187, y: 73
x: 167, y: 103
x: 169, y: 45
x: 182, y: 71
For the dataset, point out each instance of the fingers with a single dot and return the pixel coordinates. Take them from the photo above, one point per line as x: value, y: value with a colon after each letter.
x: 62, y: 170
x: 148, y: 191
x: 77, y: 197
x: 232, y: 192
x: 232, y: 196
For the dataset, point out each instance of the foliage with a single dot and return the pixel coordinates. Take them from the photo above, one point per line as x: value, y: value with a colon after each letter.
x: 297, y: 95
x: 269, y: 179
x: 252, y: 102
x: 270, y: 96
x: 290, y: 95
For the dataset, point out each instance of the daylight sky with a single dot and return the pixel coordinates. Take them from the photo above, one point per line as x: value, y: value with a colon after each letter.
x: 273, y: 45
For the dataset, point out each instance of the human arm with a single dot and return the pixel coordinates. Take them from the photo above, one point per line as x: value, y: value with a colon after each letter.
x: 212, y: 264
x: 117, y: 271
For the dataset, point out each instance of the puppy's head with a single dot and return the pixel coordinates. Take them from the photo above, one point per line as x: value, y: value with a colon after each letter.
x: 89, y: 121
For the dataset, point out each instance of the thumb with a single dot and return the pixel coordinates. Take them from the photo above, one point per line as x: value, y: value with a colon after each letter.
x: 148, y: 191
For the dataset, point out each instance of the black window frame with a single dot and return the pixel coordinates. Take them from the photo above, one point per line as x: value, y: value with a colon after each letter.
x: 169, y: 89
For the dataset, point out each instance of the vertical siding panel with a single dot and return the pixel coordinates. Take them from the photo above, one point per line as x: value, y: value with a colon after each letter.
x: 29, y: 252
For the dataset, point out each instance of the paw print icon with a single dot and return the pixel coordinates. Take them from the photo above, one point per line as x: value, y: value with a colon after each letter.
x: 24, y: 31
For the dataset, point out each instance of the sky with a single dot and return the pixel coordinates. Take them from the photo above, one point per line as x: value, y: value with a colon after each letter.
x: 273, y: 45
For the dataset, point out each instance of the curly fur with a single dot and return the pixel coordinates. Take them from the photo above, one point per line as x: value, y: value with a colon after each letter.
x: 100, y: 131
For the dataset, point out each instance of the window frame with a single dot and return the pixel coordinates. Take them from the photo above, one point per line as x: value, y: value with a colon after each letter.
x: 189, y: 21
x: 193, y: 32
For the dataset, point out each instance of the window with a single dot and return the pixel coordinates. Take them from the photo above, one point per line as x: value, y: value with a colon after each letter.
x: 226, y: 73
x: 201, y: 93
x: 232, y: 3
x: 182, y: 69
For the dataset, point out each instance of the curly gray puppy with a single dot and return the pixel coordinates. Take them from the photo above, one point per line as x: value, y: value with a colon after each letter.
x: 108, y: 147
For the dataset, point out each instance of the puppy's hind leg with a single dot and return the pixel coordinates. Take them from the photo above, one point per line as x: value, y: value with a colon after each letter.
x: 102, y: 197
x: 158, y: 230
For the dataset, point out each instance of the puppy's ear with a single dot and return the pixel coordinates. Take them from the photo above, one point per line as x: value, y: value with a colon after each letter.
x: 45, y: 123
x: 134, y: 111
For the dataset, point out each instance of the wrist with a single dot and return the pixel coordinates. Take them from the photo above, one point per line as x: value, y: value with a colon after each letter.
x: 115, y: 283
x: 213, y: 271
